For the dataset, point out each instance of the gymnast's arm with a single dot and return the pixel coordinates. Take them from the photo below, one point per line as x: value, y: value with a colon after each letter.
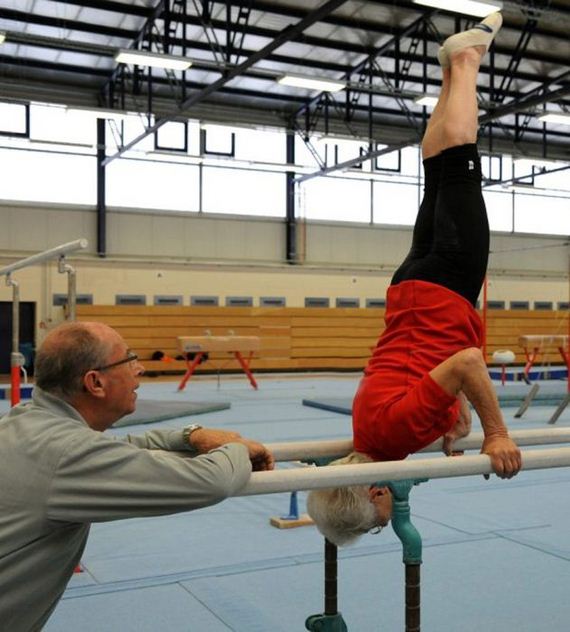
x: 466, y: 371
x: 462, y: 426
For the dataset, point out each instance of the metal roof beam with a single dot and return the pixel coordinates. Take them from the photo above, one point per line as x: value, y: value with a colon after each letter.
x: 285, y: 36
x: 318, y: 42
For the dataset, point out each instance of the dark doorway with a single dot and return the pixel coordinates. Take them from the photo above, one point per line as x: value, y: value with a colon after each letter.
x: 27, y: 334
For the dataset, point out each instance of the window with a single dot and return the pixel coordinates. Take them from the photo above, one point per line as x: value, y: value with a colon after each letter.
x: 391, y: 161
x: 395, y: 203
x: 217, y: 140
x: 243, y: 192
x: 14, y: 119
x: 47, y: 177
x: 172, y: 136
x: 156, y: 185
x: 260, y: 145
x: 499, y: 210
x: 335, y: 198
x: 541, y: 214
x: 59, y: 125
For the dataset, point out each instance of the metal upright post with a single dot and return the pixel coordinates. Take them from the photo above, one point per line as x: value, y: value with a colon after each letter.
x: 63, y: 267
x: 16, y: 358
x: 331, y: 620
x: 412, y: 548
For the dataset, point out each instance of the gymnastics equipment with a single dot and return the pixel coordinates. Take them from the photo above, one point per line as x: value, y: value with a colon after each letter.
x: 332, y: 449
x: 533, y: 346
x: 16, y: 358
x: 197, y: 346
x: 401, y: 477
x: 503, y: 357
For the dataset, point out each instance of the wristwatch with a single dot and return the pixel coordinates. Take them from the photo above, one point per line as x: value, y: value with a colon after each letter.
x: 186, y: 432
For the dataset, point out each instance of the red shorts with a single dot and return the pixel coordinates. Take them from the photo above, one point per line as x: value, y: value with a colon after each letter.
x: 390, y: 428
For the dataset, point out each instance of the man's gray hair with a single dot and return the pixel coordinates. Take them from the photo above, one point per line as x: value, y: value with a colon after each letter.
x: 343, y: 514
x: 68, y: 352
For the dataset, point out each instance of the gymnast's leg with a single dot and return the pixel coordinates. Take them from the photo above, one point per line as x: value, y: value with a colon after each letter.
x: 422, y: 238
x: 466, y: 371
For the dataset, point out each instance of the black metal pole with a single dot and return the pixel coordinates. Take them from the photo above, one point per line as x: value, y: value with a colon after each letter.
x: 331, y: 592
x: 290, y: 214
x: 412, y: 598
x: 101, y: 203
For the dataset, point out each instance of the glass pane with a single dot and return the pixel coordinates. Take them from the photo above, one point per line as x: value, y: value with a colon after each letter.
x: 499, y: 210
x: 47, y: 177
x: 243, y: 192
x: 219, y: 140
x: 541, y: 214
x: 56, y: 124
x: 156, y: 185
x: 13, y: 118
x: 336, y: 198
x: 260, y: 145
x: 171, y: 135
x: 395, y: 203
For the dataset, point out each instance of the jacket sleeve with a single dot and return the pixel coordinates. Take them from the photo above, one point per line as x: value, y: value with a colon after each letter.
x: 99, y: 479
x: 170, y: 439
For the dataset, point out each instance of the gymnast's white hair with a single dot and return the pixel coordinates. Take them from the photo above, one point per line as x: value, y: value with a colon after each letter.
x: 343, y: 514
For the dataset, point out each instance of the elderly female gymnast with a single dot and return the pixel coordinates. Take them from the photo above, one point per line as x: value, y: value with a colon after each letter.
x: 428, y: 363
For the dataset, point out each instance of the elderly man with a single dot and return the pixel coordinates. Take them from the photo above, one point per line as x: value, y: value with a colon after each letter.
x: 428, y: 360
x: 59, y: 473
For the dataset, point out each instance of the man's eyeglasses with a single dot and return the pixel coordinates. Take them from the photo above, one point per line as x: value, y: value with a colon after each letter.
x: 131, y: 357
x: 375, y: 530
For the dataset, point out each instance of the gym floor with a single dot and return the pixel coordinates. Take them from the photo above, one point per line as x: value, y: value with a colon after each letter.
x: 496, y: 553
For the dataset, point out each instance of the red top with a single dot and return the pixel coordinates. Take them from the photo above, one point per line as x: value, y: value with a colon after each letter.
x: 425, y: 325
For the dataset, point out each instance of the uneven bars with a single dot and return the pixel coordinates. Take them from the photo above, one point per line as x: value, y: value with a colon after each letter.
x: 277, y: 481
x: 58, y: 251
x: 295, y: 451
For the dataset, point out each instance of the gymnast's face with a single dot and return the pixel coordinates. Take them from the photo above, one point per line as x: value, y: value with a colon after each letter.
x: 381, y: 498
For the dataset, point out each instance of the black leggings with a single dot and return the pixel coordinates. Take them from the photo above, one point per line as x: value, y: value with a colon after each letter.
x: 450, y: 244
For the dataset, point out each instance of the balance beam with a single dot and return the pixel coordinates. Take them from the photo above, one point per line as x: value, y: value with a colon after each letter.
x: 297, y: 451
x: 302, y: 479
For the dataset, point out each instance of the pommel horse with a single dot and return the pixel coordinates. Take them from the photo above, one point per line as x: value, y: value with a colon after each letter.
x: 199, y: 345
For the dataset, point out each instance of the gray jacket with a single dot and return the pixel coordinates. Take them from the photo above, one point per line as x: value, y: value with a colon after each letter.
x: 57, y: 476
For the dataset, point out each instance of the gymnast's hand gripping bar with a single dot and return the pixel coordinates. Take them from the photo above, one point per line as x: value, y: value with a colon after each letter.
x: 296, y: 451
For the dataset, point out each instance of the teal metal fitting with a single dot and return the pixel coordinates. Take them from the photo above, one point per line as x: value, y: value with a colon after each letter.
x: 326, y: 623
x: 409, y: 536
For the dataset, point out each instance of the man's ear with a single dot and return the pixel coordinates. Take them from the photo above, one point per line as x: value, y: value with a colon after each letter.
x: 93, y: 384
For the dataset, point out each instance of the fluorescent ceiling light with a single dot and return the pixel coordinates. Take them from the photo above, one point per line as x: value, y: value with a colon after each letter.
x: 299, y: 81
x: 144, y: 58
x: 105, y: 113
x: 555, y: 117
x: 479, y: 8
x: 2, y: 37
x: 427, y: 100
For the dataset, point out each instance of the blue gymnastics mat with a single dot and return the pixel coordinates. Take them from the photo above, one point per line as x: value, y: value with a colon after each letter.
x: 150, y: 410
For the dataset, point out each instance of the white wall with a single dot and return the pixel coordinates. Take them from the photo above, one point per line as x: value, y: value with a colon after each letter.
x: 180, y: 254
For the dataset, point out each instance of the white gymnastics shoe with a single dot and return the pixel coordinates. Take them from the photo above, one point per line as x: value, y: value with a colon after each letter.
x: 481, y: 34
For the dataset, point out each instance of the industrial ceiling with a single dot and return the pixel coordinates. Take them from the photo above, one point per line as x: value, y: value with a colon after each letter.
x: 63, y: 52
